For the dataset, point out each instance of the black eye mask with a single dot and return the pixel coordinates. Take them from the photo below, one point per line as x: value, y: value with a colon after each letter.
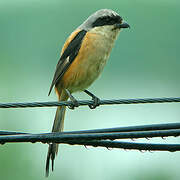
x: 107, y: 20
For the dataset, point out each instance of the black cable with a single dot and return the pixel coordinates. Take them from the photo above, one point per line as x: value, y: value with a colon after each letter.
x: 63, y: 138
x: 87, y: 102
x: 67, y: 139
x: 167, y: 126
x: 129, y: 145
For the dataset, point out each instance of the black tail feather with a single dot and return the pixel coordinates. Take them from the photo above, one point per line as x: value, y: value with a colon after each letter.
x: 50, y: 156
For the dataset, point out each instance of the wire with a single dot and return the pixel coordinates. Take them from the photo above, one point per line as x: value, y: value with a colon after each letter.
x: 98, y: 137
x: 92, y: 140
x: 87, y: 102
x: 64, y: 138
x: 129, y: 145
x: 167, y: 126
x: 5, y: 133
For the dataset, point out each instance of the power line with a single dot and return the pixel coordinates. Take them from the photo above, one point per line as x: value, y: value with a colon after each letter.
x: 90, y: 102
x: 151, y: 127
x: 100, y: 137
x: 99, y: 140
x: 129, y: 145
x: 62, y: 138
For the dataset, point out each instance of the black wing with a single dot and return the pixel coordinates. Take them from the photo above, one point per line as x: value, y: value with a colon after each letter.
x: 67, y: 57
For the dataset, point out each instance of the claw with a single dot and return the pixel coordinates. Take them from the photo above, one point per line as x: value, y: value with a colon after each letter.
x: 96, y: 100
x: 73, y: 101
x: 74, y: 104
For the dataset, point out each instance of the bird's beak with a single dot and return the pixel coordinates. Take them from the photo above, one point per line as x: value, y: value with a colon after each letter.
x: 122, y: 25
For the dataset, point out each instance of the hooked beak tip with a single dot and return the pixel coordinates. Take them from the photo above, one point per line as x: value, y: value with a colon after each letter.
x: 122, y: 25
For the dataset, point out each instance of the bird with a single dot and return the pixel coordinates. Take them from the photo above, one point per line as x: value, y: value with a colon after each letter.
x: 82, y: 60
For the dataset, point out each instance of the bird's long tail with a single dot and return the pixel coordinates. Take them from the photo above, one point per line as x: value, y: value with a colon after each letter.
x: 57, y: 127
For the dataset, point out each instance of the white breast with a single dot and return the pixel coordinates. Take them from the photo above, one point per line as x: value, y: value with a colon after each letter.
x: 103, y: 45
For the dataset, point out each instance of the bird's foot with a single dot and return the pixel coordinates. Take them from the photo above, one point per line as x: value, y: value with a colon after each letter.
x: 96, y: 100
x: 74, y: 102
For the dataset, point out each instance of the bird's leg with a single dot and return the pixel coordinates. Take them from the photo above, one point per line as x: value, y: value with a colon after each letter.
x: 73, y: 100
x: 94, y: 98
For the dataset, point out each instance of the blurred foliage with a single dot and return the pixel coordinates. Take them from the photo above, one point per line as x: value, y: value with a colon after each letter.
x: 144, y: 63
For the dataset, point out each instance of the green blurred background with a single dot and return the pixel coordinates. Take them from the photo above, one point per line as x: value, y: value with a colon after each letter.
x: 144, y: 63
